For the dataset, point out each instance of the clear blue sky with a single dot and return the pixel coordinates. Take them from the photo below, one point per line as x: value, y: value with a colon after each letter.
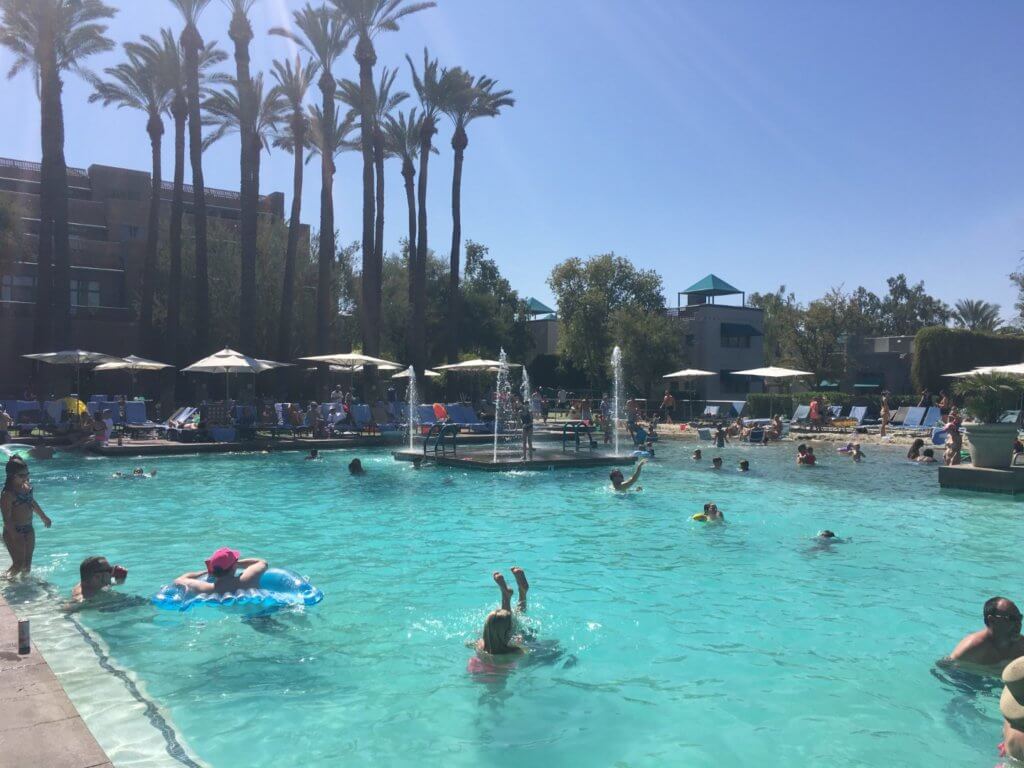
x: 808, y: 143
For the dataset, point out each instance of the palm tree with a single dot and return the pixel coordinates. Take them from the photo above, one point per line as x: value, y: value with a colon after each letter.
x: 166, y: 57
x: 384, y: 102
x: 977, y: 315
x: 240, y: 32
x: 324, y: 37
x: 192, y: 45
x: 436, y: 89
x: 50, y: 37
x: 368, y: 18
x: 292, y: 84
x: 402, y: 140
x: 475, y: 99
x: 139, y: 84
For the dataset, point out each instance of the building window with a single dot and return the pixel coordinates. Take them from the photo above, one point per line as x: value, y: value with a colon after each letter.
x: 735, y: 342
x: 734, y: 384
x: 130, y: 231
x: 18, y: 288
x: 85, y: 293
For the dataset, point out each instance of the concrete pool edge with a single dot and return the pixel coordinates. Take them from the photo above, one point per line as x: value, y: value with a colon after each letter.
x: 39, y: 725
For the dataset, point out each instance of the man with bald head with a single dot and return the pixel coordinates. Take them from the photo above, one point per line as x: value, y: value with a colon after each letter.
x: 999, y: 643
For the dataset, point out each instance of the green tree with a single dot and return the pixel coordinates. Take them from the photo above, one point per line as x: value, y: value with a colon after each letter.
x: 782, y: 318
x: 474, y: 99
x: 907, y: 309
x: 976, y: 315
x: 588, y: 293
x: 192, y: 46
x: 650, y: 346
x: 51, y: 37
x: 139, y: 84
x: 324, y: 36
x: 367, y: 19
x: 293, y: 84
x: 494, y: 317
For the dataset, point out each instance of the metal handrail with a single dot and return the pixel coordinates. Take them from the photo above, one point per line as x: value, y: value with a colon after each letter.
x: 576, y: 427
x: 439, y: 431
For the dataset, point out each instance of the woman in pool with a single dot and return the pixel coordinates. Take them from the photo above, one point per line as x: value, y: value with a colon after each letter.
x: 915, y: 449
x: 697, y: 455
x: 497, y: 638
x: 711, y: 514
x: 355, y: 467
x: 18, y: 505
x: 619, y: 484
x: 221, y: 566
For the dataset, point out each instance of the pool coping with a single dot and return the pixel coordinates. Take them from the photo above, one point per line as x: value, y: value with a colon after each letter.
x: 38, y: 723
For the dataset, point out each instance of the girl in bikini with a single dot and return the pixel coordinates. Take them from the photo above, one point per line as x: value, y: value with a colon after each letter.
x: 18, y: 506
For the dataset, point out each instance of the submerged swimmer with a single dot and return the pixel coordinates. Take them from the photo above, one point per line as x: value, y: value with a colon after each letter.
x: 619, y: 484
x: 355, y: 467
x: 313, y: 455
x: 497, y: 638
x: 135, y: 473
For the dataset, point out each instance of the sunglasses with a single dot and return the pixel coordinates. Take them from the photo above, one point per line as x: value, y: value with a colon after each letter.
x: 1014, y: 617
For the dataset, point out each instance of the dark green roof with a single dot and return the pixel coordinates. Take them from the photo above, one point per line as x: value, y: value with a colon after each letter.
x: 712, y: 285
x: 536, y: 308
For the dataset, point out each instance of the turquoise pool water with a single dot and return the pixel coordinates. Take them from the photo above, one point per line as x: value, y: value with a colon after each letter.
x: 677, y: 643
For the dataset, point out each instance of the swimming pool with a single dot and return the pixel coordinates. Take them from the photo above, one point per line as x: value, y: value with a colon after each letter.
x: 677, y: 643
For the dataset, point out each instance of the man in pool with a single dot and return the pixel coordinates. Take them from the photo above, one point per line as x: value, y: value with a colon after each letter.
x: 96, y: 575
x: 716, y: 463
x: 355, y: 467
x: 313, y: 455
x: 221, y: 566
x: 697, y: 455
x: 619, y: 484
x: 999, y: 643
x: 744, y: 466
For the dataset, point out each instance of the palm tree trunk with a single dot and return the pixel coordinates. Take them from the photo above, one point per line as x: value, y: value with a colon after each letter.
x: 378, y: 224
x: 249, y: 160
x: 367, y: 57
x: 459, y: 143
x: 284, y: 338
x: 147, y: 337
x: 192, y: 43
x: 172, y: 332
x: 408, y: 174
x: 43, y: 318
x: 419, y: 275
x: 61, y: 244
x: 325, y: 304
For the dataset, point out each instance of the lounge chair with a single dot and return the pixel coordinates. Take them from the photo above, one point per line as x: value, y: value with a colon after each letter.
x: 28, y: 421
x: 463, y: 415
x: 801, y: 414
x: 835, y: 412
x: 738, y: 406
x: 756, y: 435
x: 914, y: 417
x: 1010, y: 417
x: 900, y: 416
x: 931, y: 417
x: 385, y: 421
x: 704, y: 434
x: 857, y: 414
x: 712, y: 411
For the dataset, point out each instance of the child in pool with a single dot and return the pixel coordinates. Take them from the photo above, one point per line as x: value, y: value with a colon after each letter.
x: 18, y: 505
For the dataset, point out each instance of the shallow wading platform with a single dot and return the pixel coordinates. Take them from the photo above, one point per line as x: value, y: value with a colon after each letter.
x: 172, y: 448
x: 968, y: 478
x: 543, y: 459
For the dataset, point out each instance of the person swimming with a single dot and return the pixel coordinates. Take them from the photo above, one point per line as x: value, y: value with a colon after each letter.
x: 313, y: 455
x: 221, y: 566
x: 744, y: 466
x: 716, y: 463
x: 927, y: 457
x: 697, y: 456
x: 135, y: 474
x: 355, y: 467
x: 711, y: 514
x: 619, y: 484
x: 497, y: 638
x: 915, y: 449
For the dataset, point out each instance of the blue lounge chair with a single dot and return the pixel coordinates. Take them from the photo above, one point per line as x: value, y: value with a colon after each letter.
x: 900, y: 416
x: 738, y: 406
x: 463, y: 415
x: 931, y: 417
x: 704, y: 434
x: 1010, y: 417
x: 135, y: 412
x: 801, y: 414
x: 914, y: 417
x: 858, y: 413
x: 425, y: 414
x: 835, y: 412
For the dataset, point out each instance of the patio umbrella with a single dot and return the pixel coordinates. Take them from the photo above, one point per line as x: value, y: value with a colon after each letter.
x: 1017, y: 369
x: 686, y: 374
x: 773, y: 372
x: 965, y: 374
x: 133, y: 364
x: 426, y: 372
x: 75, y: 357
x: 352, y: 359
x: 475, y: 366
x: 228, y: 361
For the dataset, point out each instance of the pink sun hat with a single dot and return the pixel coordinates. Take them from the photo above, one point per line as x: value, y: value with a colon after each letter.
x: 223, y: 559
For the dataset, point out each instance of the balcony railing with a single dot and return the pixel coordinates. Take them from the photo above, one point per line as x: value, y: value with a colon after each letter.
x: 26, y: 165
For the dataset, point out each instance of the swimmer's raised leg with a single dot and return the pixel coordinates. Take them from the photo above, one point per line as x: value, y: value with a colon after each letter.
x: 523, y: 584
x: 506, y: 593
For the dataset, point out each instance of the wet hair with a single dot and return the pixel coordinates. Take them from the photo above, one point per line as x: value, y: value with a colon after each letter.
x: 928, y: 452
x: 15, y: 465
x: 355, y: 466
x: 707, y: 506
x: 801, y: 448
x: 716, y: 460
x: 615, y: 473
x: 497, y: 634
x: 92, y: 565
x: 826, y: 534
x: 744, y: 464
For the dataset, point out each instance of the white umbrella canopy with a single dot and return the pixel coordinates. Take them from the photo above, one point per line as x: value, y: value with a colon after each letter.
x: 229, y: 361
x: 1017, y: 369
x: 352, y: 359
x: 475, y: 366
x: 772, y: 372
x: 132, y: 363
x: 974, y: 372
x: 688, y: 373
x: 426, y: 372
x: 75, y: 357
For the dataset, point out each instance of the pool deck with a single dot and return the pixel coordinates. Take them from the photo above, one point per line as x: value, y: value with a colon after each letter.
x: 543, y: 459
x: 965, y: 477
x: 39, y: 726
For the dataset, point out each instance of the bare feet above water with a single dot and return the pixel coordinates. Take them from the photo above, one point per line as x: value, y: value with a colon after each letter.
x: 506, y: 593
x: 523, y: 584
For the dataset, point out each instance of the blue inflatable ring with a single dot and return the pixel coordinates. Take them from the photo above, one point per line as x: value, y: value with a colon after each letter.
x: 279, y: 588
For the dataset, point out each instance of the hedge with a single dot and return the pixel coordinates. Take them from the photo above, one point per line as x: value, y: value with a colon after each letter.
x: 760, y: 406
x: 941, y: 350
